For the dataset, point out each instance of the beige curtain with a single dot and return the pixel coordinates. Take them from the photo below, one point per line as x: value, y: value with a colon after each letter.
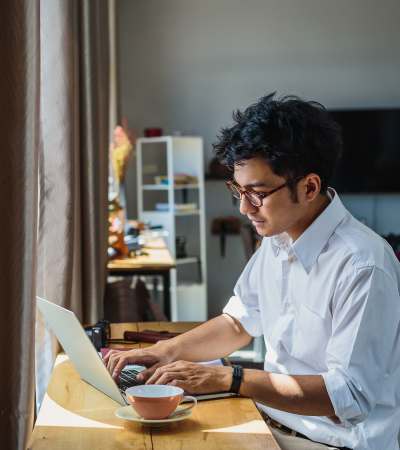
x: 61, y: 49
x: 19, y: 113
x: 73, y: 165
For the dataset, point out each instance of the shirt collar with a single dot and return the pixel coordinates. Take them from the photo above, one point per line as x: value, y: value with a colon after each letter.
x: 281, y: 241
x: 310, y: 244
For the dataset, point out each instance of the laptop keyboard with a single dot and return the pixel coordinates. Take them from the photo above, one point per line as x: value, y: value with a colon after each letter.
x: 127, y: 378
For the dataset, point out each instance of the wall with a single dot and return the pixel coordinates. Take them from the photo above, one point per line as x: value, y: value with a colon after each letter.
x: 186, y: 64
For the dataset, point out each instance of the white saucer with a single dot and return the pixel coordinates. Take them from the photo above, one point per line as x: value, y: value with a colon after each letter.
x: 128, y: 413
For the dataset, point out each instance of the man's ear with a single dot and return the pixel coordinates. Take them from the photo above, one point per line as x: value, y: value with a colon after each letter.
x: 313, y: 186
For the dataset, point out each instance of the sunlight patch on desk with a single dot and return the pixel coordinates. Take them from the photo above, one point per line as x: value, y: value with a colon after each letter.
x: 252, y: 427
x: 55, y: 415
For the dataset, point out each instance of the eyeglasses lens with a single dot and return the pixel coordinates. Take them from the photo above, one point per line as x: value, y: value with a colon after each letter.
x: 234, y: 191
x: 251, y: 197
x: 254, y: 199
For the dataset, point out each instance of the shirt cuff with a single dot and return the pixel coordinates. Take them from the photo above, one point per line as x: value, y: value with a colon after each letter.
x: 248, y: 317
x: 343, y: 402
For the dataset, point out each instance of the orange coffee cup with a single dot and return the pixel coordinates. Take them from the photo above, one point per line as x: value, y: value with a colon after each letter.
x: 157, y: 401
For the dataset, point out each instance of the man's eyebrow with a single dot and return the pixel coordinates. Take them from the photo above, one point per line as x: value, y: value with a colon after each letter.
x: 253, y: 185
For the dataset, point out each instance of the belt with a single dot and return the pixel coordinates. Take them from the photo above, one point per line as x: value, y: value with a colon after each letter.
x: 273, y: 423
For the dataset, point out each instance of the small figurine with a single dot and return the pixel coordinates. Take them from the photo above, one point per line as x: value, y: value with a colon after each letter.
x: 116, y: 234
x: 120, y: 151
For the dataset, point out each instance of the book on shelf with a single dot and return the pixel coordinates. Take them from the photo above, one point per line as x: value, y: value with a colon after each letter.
x: 178, y: 207
x: 179, y: 178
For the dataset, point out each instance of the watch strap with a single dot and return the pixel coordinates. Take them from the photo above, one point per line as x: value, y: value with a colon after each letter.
x: 237, y: 376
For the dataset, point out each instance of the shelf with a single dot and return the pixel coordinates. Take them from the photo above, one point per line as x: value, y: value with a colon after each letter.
x: 176, y: 203
x: 187, y: 260
x: 189, y: 286
x: 195, y: 212
x: 165, y: 187
x: 150, y: 140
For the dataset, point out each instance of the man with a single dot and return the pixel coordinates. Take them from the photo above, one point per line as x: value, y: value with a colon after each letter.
x: 322, y: 289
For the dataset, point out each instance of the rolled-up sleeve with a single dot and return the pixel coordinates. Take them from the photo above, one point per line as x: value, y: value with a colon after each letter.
x: 363, y: 359
x: 244, y: 304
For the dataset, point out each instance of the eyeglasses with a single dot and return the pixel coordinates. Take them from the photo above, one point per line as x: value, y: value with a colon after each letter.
x: 255, y: 198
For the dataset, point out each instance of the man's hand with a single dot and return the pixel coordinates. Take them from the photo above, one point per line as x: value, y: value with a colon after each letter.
x: 193, y: 378
x: 213, y: 339
x: 152, y: 358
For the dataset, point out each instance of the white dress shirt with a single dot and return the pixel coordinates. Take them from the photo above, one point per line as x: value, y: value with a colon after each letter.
x: 329, y: 304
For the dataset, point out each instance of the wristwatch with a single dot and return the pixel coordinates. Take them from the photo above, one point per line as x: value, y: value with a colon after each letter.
x: 237, y: 376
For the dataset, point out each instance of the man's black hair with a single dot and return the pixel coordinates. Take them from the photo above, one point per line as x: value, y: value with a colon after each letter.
x: 296, y: 137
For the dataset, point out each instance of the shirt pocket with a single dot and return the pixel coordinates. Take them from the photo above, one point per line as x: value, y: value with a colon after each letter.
x: 310, y: 338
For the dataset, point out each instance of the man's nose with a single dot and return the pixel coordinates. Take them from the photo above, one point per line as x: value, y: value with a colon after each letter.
x: 245, y: 206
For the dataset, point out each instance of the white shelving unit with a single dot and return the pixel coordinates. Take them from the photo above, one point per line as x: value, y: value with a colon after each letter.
x: 167, y: 156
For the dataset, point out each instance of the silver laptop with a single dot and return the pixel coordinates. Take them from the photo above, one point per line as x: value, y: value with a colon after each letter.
x: 88, y: 362
x: 83, y: 354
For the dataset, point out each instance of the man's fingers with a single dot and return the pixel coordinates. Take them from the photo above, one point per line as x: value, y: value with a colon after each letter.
x: 157, y: 374
x: 112, y: 361
x: 117, y: 359
x: 144, y: 375
x: 153, y: 377
x: 120, y: 364
x: 130, y: 356
x: 167, y: 377
x: 162, y: 379
x: 182, y: 384
x: 107, y: 356
x: 177, y: 367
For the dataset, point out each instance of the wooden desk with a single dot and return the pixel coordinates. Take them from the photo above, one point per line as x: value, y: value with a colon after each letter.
x: 157, y: 261
x: 76, y: 416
